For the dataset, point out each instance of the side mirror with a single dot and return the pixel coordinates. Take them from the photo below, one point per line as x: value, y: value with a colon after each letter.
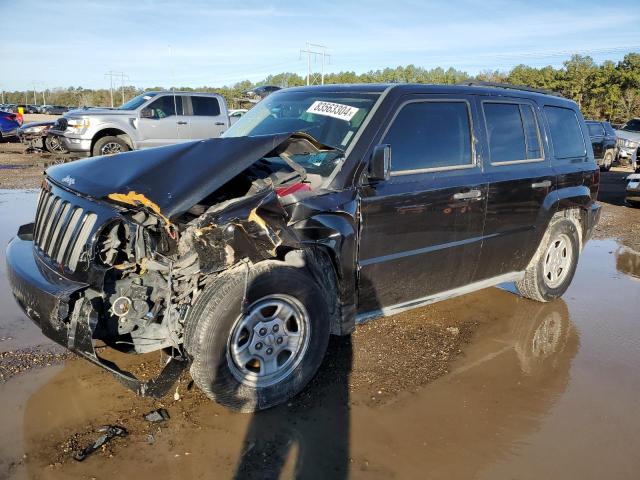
x: 380, y: 164
x: 146, y: 113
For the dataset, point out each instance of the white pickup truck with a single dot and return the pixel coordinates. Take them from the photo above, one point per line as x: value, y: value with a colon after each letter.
x: 151, y: 119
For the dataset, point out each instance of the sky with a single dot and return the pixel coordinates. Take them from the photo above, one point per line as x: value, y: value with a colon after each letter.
x: 63, y: 43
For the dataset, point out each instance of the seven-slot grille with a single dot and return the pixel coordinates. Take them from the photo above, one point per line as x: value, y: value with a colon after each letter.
x: 62, y: 229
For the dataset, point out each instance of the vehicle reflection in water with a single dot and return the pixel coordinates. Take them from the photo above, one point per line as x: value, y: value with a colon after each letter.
x: 628, y: 261
x: 515, y: 368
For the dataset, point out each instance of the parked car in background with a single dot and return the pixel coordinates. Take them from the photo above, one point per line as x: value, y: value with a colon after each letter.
x: 633, y: 189
x: 9, y: 124
x: 152, y: 119
x: 234, y: 115
x: 36, y: 136
x: 55, y: 109
x: 603, y: 141
x: 256, y: 94
x: 239, y: 256
x: 628, y: 142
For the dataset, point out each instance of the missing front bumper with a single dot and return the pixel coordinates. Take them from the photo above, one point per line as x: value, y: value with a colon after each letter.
x: 51, y: 301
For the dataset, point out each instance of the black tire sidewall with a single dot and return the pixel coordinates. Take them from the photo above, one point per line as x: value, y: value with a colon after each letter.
x: 568, y: 228
x: 47, y: 146
x: 104, y: 140
x: 216, y: 318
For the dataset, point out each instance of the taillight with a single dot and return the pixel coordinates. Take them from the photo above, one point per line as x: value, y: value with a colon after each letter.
x: 595, y: 184
x: 296, y: 187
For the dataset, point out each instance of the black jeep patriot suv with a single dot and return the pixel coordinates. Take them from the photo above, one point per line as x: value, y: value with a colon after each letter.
x: 321, y: 207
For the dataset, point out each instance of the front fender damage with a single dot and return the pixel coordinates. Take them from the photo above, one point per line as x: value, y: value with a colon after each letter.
x: 252, y: 228
x: 157, y: 269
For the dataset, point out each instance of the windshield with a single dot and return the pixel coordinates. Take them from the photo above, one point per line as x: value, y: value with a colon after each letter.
x: 135, y: 102
x: 331, y: 118
x: 632, y: 125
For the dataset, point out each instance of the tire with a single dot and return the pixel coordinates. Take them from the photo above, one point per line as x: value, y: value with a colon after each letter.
x: 607, y: 161
x: 53, y: 145
x: 109, y: 146
x: 216, y: 327
x: 549, y: 273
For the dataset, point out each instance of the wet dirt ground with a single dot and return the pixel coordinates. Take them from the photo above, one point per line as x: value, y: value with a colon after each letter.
x: 487, y: 385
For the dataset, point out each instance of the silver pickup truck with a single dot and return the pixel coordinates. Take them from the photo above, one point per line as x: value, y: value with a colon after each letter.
x: 151, y: 119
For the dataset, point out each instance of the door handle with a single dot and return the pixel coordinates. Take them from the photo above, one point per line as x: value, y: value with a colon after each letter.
x: 181, y: 123
x: 543, y: 184
x: 470, y: 195
x: 221, y: 124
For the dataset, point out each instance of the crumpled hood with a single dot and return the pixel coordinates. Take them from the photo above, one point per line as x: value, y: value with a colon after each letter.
x: 174, y: 178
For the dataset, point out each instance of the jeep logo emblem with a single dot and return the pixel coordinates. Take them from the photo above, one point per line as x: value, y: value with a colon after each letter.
x: 69, y: 180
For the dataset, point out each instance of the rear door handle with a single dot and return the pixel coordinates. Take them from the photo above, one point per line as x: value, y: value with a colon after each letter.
x: 470, y: 195
x: 181, y: 123
x: 543, y: 184
x: 220, y: 124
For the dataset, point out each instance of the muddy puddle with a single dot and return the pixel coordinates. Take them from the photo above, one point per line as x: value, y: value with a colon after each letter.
x: 17, y: 207
x: 523, y: 390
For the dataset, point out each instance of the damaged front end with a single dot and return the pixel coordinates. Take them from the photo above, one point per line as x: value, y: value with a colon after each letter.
x: 123, y: 267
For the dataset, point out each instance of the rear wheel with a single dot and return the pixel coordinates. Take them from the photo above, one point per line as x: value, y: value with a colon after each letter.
x: 551, y: 270
x: 258, y: 353
x: 110, y: 146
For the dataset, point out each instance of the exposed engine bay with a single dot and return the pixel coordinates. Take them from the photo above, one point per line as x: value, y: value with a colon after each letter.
x: 156, y: 267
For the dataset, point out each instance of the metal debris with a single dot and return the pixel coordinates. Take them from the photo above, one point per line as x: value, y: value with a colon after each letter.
x: 159, y: 415
x: 110, y: 432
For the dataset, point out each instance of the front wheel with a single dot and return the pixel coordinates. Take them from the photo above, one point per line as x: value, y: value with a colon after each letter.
x: 53, y: 145
x: 109, y: 146
x: 256, y: 353
x: 607, y: 161
x: 551, y: 270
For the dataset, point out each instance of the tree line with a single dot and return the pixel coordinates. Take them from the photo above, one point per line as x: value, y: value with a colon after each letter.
x: 606, y: 91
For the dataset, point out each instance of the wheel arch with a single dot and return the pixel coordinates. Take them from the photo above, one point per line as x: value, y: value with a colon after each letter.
x: 570, y: 202
x: 112, y: 132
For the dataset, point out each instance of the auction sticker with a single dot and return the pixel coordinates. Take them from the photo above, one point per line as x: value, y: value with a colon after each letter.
x: 335, y: 110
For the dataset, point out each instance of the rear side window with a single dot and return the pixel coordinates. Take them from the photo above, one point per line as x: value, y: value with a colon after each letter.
x: 595, y: 129
x: 566, y: 134
x: 205, y: 106
x: 513, y: 132
x: 430, y: 135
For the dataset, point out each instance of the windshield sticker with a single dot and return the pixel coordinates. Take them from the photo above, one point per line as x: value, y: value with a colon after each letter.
x: 335, y: 110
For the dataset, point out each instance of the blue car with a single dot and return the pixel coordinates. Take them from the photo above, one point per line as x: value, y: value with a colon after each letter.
x: 8, y: 125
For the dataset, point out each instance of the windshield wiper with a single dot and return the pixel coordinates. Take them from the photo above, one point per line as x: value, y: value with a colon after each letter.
x: 319, y: 146
x: 297, y: 168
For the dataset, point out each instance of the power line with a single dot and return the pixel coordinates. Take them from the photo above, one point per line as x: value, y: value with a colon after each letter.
x: 312, y: 78
x: 111, y: 74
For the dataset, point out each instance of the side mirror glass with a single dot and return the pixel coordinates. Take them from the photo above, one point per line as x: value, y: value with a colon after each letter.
x: 146, y: 113
x: 380, y: 164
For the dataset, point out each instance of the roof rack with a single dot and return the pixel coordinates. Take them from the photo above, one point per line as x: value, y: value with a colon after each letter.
x: 477, y: 83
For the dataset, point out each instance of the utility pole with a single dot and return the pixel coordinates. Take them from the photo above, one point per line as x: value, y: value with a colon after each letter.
x: 316, y: 51
x: 35, y: 99
x: 122, y: 77
x: 112, y: 74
